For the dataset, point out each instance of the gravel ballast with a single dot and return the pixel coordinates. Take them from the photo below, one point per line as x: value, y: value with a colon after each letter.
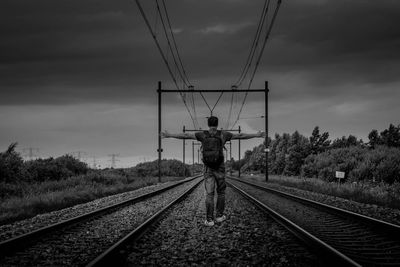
x: 371, y: 210
x: 247, y: 238
x: 78, y: 244
x: 362, y: 243
x: 21, y: 227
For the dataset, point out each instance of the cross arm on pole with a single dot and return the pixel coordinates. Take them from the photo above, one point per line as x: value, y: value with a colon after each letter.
x: 211, y: 91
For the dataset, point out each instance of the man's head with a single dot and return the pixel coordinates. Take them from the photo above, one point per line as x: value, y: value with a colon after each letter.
x: 212, y: 121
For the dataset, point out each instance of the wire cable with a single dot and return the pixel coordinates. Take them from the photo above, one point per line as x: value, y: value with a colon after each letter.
x: 259, y: 58
x: 163, y: 55
x: 230, y: 112
x: 216, y: 102
x: 254, y: 44
x: 265, y: 41
x: 205, y: 101
x: 174, y: 42
x: 169, y: 44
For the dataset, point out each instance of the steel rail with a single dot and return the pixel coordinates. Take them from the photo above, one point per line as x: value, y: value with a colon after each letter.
x: 16, y: 243
x: 333, y: 256
x: 378, y: 225
x: 112, y: 257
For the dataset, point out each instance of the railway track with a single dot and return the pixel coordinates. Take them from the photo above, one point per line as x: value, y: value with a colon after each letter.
x: 340, y: 236
x: 78, y: 240
x: 247, y: 238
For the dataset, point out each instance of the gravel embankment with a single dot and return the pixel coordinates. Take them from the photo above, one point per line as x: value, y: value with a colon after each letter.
x: 21, y: 227
x: 81, y: 243
x: 331, y: 228
x: 371, y: 210
x: 247, y: 238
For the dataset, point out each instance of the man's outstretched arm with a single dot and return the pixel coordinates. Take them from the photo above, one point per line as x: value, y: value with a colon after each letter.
x: 178, y: 136
x: 248, y: 136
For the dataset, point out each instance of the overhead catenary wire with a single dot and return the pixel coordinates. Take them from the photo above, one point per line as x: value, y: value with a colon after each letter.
x: 179, y: 67
x: 163, y: 57
x: 254, y: 44
x: 268, y: 32
x: 212, y: 110
x: 205, y: 101
x: 169, y: 44
x: 175, y: 45
x: 228, y: 121
x: 265, y: 42
x: 250, y: 58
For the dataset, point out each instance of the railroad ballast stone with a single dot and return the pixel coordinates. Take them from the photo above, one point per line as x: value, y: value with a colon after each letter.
x: 352, y: 238
x: 371, y: 210
x: 79, y: 244
x: 247, y: 238
x: 11, y: 230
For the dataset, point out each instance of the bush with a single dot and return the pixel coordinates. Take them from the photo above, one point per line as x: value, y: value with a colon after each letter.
x: 360, y: 164
x: 55, y: 169
x: 168, y: 168
x: 11, y: 165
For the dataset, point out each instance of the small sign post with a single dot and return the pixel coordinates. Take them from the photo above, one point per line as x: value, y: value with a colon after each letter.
x: 339, y: 175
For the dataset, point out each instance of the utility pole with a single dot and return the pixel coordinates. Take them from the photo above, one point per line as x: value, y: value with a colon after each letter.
x: 184, y: 143
x: 30, y: 152
x: 266, y: 131
x: 159, y: 150
x: 230, y: 156
x: 195, y: 144
x: 239, y: 152
x: 113, y: 160
x: 183, y: 154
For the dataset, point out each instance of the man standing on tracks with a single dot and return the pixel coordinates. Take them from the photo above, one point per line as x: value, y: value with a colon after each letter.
x: 213, y: 142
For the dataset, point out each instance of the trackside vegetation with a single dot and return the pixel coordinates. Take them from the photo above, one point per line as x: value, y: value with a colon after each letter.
x: 318, y: 157
x: 28, y: 188
x: 372, y: 169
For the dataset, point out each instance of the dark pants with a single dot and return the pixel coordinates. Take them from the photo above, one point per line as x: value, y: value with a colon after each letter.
x: 211, y: 178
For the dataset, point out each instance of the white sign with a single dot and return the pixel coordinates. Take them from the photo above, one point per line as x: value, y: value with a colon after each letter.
x: 266, y: 149
x: 340, y: 175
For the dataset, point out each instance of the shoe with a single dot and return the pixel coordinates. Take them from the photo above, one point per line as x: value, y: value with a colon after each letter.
x: 208, y: 223
x: 220, y: 219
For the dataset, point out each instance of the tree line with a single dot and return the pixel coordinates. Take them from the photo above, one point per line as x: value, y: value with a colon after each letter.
x: 13, y: 169
x: 377, y: 160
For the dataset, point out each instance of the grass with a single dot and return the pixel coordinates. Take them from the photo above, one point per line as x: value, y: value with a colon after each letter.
x: 27, y: 200
x: 378, y: 194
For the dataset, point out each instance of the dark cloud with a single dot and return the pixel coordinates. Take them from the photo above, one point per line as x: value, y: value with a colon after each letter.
x: 95, y: 50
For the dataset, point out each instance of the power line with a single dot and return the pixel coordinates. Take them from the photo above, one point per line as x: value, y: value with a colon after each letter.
x: 212, y: 110
x: 163, y: 55
x: 228, y: 121
x: 265, y: 41
x: 169, y: 43
x: 180, y: 68
x: 174, y: 42
x: 254, y: 44
x: 269, y: 28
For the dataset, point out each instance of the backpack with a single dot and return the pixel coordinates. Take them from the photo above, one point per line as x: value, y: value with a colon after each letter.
x: 212, y: 145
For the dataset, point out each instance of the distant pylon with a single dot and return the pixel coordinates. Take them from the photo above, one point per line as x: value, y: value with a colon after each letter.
x: 30, y: 152
x: 94, y: 163
x: 113, y: 160
x: 79, y: 155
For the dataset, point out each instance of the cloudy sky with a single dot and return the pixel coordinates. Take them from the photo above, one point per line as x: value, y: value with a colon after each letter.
x: 82, y: 75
